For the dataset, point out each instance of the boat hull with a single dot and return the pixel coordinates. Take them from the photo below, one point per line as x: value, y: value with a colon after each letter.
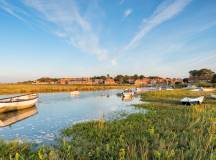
x: 18, y: 102
x: 6, y: 107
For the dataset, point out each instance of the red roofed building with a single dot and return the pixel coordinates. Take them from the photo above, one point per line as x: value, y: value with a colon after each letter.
x: 109, y: 81
x: 144, y: 81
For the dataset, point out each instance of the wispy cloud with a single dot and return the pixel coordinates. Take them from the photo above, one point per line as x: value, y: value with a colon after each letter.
x: 12, y: 10
x: 164, y: 12
x: 66, y: 21
x: 127, y: 12
x: 71, y: 25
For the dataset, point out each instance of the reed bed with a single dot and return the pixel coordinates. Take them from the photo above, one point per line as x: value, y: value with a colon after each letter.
x: 30, y: 88
x: 167, y: 131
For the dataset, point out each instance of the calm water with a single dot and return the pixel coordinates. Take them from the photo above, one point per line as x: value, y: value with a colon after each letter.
x: 59, y: 110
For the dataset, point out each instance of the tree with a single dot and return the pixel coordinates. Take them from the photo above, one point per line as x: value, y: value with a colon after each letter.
x: 186, y: 80
x: 141, y: 76
x: 202, y: 73
x: 125, y: 79
x: 213, y: 79
x: 119, y: 79
x: 135, y: 77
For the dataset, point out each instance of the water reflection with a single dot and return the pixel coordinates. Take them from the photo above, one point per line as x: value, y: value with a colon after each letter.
x: 59, y: 110
x: 10, y: 118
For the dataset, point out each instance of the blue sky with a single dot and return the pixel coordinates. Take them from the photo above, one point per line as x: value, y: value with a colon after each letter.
x: 95, y: 37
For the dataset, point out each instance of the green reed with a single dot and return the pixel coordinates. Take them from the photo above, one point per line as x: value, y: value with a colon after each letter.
x: 167, y: 131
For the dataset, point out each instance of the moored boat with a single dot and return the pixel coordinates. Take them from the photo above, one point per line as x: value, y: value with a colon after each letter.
x: 18, y: 102
x: 190, y: 101
x: 75, y: 93
x: 128, y: 93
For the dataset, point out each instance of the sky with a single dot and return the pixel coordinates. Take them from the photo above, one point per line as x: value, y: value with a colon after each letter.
x: 71, y: 38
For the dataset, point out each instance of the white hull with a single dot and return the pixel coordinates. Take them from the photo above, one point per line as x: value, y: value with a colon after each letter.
x: 18, y: 103
x: 75, y: 93
x: 189, y: 101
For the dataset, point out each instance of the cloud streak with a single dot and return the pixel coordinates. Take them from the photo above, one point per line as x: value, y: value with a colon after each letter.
x: 164, y: 12
x: 12, y: 10
x: 70, y: 25
x: 65, y: 21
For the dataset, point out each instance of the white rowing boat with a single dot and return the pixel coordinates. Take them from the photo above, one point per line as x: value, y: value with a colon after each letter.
x: 190, y: 101
x: 75, y: 93
x: 18, y: 102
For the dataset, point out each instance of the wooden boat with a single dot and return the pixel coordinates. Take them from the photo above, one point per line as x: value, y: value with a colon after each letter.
x: 18, y: 102
x: 75, y: 93
x: 190, y: 101
x: 9, y: 118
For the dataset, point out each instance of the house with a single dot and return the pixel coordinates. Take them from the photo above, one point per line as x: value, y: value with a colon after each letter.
x: 141, y: 82
x: 98, y: 81
x: 131, y: 81
x: 194, y: 79
x: 109, y: 81
x: 82, y: 80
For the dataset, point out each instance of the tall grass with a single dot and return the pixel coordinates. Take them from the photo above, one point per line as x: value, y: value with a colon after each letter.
x: 167, y: 131
x: 29, y: 88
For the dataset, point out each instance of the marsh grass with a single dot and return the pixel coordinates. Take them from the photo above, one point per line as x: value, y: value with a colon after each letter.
x: 30, y: 88
x: 167, y: 131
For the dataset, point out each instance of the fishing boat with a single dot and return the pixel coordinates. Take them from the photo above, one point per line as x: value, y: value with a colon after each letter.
x: 75, y: 93
x: 10, y: 118
x: 190, y: 101
x: 18, y: 102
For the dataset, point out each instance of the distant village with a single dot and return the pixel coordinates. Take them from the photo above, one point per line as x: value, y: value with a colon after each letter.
x: 195, y: 76
x: 130, y: 80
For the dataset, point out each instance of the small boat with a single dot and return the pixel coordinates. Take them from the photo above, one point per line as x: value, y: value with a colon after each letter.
x: 190, y: 101
x: 213, y: 96
x: 128, y: 93
x: 75, y: 93
x: 10, y: 118
x: 145, y: 89
x: 208, y: 89
x: 198, y: 89
x: 18, y: 102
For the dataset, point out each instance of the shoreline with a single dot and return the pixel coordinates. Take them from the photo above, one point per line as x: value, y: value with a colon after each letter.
x: 52, y: 88
x: 167, y: 123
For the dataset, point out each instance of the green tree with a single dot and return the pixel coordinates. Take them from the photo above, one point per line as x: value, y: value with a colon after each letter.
x: 201, y: 73
x: 214, y: 78
x: 119, y: 79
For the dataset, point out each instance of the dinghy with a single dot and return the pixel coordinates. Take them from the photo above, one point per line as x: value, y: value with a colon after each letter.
x: 190, y: 101
x: 128, y: 93
x: 75, y: 93
x: 10, y: 118
x: 18, y: 102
